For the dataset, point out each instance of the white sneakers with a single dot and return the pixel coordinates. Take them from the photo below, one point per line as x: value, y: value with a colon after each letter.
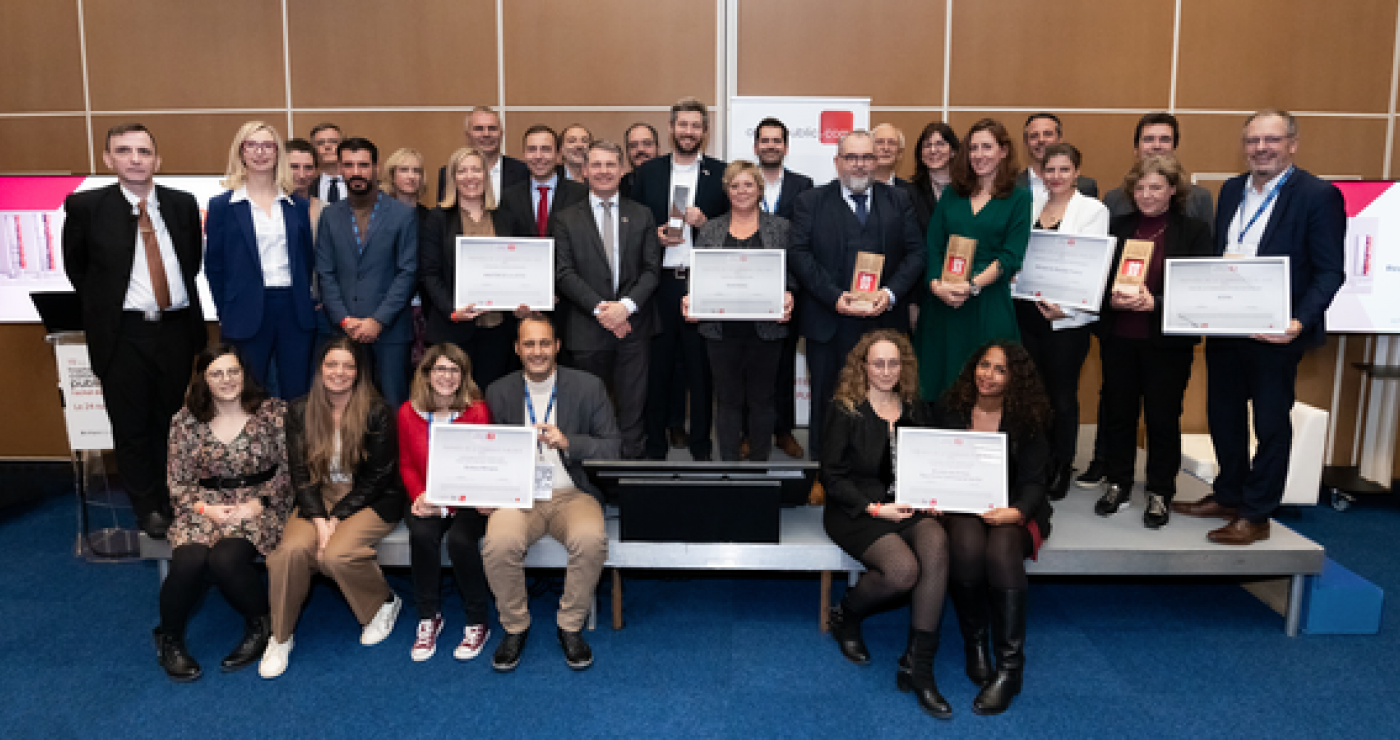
x: 426, y: 643
x: 473, y: 640
x: 274, y: 659
x: 383, y: 622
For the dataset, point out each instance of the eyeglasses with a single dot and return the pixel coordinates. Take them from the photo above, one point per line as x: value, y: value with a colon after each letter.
x: 326, y: 142
x: 937, y: 144
x: 260, y: 146
x: 858, y: 158
x: 233, y: 373
x: 445, y: 370
x: 883, y: 365
x: 1270, y: 140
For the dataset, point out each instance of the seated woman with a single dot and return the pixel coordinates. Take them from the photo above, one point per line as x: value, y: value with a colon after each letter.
x: 231, y: 493
x: 443, y: 392
x: 905, y: 552
x: 998, y: 391
x: 342, y: 450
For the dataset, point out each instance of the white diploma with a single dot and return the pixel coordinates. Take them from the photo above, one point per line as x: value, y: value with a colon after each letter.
x: 500, y: 274
x: 481, y: 465
x: 1226, y: 297
x: 1068, y: 270
x: 950, y: 470
x: 738, y: 284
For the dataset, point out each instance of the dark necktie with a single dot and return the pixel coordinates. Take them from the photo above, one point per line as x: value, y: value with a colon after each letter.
x: 861, y: 212
x: 333, y: 192
x: 542, y: 213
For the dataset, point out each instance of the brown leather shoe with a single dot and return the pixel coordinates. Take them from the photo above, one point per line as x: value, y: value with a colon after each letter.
x: 1239, y: 532
x: 818, y: 495
x: 1207, y: 508
x: 790, y: 446
x: 744, y: 447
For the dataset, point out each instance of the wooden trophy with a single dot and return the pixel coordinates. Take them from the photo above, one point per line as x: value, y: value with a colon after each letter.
x: 1132, y: 267
x: 957, y: 263
x: 865, y: 282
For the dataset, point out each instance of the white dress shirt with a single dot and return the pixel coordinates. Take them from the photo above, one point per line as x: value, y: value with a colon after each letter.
x: 140, y: 295
x: 616, y: 258
x: 771, y: 191
x: 270, y: 229
x: 496, y: 177
x: 323, y: 187
x: 1249, y: 205
x: 553, y: 184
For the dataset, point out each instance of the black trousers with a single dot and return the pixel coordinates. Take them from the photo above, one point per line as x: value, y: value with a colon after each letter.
x: 678, y: 340
x: 231, y: 563
x: 623, y: 370
x: 464, y: 531
x: 1059, y: 356
x: 1242, y: 371
x: 824, y: 363
x: 784, y: 396
x: 143, y: 389
x: 1137, y: 375
x: 743, y: 372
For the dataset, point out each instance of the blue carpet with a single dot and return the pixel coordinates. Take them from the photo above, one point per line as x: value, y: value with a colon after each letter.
x: 724, y: 657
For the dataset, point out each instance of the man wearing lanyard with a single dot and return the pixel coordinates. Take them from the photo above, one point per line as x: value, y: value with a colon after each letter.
x: 570, y: 409
x: 1276, y: 209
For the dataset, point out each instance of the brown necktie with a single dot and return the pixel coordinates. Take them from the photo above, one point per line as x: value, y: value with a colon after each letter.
x: 159, y: 286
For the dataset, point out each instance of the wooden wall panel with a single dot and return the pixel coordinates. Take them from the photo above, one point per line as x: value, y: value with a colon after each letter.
x: 189, y: 144
x: 435, y: 134
x: 608, y: 125
x: 1299, y: 54
x: 165, y: 54
x: 41, y: 58
x: 1105, y: 140
x: 633, y: 52
x: 31, y: 399
x: 1327, y: 146
x: 888, y: 50
x: 45, y: 144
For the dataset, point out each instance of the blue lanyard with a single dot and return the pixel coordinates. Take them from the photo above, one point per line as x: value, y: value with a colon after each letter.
x: 1273, y: 193
x: 451, y: 417
x: 530, y: 407
x: 355, y: 224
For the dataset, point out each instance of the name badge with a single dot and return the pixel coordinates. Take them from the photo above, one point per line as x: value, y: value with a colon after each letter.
x: 544, y: 481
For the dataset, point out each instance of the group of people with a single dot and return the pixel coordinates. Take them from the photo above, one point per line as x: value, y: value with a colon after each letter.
x: 318, y: 247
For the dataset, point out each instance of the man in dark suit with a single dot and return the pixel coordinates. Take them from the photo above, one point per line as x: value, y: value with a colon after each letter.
x: 656, y: 185
x: 640, y: 140
x: 329, y: 187
x: 530, y: 205
x: 832, y: 224
x: 132, y: 251
x: 607, y: 261
x: 1274, y: 209
x: 367, y: 263
x: 483, y: 131
x: 1042, y: 130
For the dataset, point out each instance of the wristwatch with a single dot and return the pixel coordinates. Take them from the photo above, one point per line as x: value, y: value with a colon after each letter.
x: 974, y: 289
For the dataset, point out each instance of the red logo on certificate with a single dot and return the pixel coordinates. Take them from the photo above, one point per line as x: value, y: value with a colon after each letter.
x: 1132, y: 268
x: 957, y: 265
x: 865, y: 281
x: 834, y: 124
x: 490, y: 435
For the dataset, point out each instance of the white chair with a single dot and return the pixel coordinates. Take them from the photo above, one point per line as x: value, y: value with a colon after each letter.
x: 1305, y: 459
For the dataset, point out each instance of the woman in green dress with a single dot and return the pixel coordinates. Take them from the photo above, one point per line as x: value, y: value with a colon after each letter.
x: 982, y: 203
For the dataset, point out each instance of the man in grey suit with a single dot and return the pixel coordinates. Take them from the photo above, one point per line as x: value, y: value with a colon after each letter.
x: 367, y: 262
x: 570, y: 409
x: 607, y: 265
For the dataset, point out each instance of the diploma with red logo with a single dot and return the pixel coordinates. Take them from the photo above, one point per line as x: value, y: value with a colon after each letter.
x: 957, y: 259
x: 481, y: 465
x: 735, y: 284
x: 502, y: 274
x: 1065, y: 269
x: 950, y: 470
x: 1226, y: 297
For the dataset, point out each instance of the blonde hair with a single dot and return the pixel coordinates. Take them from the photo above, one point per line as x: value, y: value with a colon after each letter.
x: 422, y: 393
x: 454, y: 163
x: 854, y: 386
x: 742, y: 167
x: 399, y: 159
x: 236, y: 176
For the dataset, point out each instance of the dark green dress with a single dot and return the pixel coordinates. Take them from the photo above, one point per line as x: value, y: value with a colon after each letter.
x: 947, y: 336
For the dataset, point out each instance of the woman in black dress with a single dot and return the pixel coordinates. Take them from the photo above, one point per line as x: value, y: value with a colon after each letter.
x: 904, y: 551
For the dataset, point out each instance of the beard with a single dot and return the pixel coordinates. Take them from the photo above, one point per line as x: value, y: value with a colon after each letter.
x: 686, y: 150
x: 857, y: 184
x: 359, y: 184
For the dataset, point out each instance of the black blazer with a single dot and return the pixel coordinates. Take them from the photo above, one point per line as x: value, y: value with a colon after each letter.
x: 517, y: 204
x: 794, y: 184
x: 437, y: 272
x: 376, y: 479
x: 583, y: 279
x: 824, y: 262
x: 651, y: 186
x: 1308, y: 226
x: 857, y: 469
x: 1027, y: 462
x: 512, y: 171
x: 1185, y: 237
x: 924, y: 200
x: 99, y: 247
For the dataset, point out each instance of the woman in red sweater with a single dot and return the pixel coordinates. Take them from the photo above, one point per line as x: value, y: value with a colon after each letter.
x: 443, y: 392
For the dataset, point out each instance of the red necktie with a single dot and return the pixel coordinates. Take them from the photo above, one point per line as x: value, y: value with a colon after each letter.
x: 542, y: 213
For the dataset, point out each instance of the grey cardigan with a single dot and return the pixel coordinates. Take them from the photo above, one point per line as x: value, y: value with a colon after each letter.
x: 773, y: 232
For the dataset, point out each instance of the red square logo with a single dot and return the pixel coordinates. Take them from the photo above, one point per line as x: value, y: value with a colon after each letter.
x: 835, y: 124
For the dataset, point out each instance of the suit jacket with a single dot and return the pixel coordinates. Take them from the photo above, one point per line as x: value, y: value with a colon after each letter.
x: 582, y: 412
x: 924, y: 200
x: 99, y: 247
x: 437, y: 272
x: 1308, y: 226
x: 517, y: 205
x: 374, y: 284
x: 1184, y: 237
x: 233, y: 264
x: 824, y: 262
x: 1085, y: 185
x: 651, y: 186
x: 583, y: 279
x: 773, y: 231
x: 513, y: 171
x: 794, y: 184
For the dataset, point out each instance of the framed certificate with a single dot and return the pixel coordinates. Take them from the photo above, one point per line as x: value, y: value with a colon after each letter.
x: 1226, y: 297
x: 950, y: 470
x: 500, y: 274
x: 1068, y: 270
x: 481, y: 465
x: 733, y: 284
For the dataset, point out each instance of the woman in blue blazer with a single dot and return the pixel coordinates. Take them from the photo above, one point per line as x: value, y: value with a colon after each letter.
x: 258, y: 259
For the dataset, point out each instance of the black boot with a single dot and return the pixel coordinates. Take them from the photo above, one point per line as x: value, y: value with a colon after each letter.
x: 1060, y: 476
x: 916, y: 674
x: 970, y: 603
x: 256, y: 630
x: 1009, y: 636
x: 179, y: 665
x: 845, y: 627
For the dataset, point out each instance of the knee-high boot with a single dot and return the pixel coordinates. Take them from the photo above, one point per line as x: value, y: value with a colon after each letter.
x: 1009, y: 639
x: 916, y: 674
x: 970, y: 603
x: 845, y: 627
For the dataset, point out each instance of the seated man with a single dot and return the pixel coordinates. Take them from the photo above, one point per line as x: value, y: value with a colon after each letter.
x: 575, y: 421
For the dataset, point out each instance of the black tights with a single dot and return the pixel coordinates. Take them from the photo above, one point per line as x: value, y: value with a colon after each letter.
x: 914, y: 561
x: 231, y: 563
x: 983, y: 553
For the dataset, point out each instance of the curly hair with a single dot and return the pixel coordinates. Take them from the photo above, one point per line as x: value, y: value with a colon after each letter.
x: 1026, y: 408
x: 852, y: 387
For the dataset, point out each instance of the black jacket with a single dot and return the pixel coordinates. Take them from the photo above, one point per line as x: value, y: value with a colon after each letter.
x: 517, y: 204
x: 1027, y: 462
x: 437, y: 272
x: 1184, y: 237
x: 376, y: 479
x: 857, y: 469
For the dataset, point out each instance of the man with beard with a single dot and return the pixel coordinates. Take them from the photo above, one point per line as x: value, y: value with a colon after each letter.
x: 697, y: 181
x: 831, y: 225
x: 573, y: 150
x: 483, y: 131
x: 1042, y: 130
x: 640, y: 140
x: 367, y: 263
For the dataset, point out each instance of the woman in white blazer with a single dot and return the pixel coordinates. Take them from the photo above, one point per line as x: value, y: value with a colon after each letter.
x: 1057, y: 338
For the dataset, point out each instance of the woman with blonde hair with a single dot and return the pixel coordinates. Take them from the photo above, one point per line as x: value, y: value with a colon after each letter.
x: 904, y: 550
x: 258, y: 259
x: 402, y: 178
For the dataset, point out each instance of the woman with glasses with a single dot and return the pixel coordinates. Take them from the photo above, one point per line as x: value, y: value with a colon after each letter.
x: 258, y: 259
x: 932, y: 170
